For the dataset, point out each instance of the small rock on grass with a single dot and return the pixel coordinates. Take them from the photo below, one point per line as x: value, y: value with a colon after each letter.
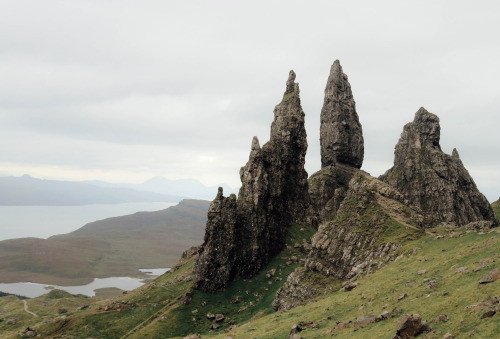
x: 363, y: 321
x: 491, y: 276
x: 488, y: 314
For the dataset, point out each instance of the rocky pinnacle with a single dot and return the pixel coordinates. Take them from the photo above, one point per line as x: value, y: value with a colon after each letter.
x: 244, y: 234
x: 436, y: 182
x: 341, y: 135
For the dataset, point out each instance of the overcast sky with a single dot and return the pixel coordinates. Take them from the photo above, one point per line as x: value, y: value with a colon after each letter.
x: 124, y: 91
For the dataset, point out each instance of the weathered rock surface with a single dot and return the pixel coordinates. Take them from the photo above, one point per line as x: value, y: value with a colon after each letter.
x: 410, y: 325
x: 296, y: 290
x: 327, y: 189
x: 433, y: 181
x: 356, y: 241
x: 243, y: 234
x: 341, y: 136
x: 363, y: 321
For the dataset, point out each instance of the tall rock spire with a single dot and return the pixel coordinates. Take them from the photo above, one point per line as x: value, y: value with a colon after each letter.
x: 341, y: 135
x: 244, y: 234
x: 437, y: 183
x: 342, y: 148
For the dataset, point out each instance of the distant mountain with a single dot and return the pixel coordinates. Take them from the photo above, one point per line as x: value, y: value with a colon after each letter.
x: 26, y: 191
x: 111, y: 247
x: 189, y: 188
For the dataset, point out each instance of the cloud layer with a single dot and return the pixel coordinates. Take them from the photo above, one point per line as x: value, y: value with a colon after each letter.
x: 127, y: 90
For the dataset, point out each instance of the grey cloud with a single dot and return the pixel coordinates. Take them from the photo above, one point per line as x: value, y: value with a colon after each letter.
x: 179, y: 88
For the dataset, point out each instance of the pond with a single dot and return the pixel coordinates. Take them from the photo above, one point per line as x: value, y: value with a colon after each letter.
x: 33, y: 290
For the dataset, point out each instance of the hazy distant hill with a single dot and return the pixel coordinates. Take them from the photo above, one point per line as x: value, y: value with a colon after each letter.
x: 26, y: 190
x: 111, y: 247
x: 189, y: 188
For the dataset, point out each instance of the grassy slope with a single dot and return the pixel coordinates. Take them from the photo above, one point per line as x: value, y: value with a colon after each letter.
x: 380, y: 291
x: 496, y: 208
x: 110, y: 247
x: 159, y: 311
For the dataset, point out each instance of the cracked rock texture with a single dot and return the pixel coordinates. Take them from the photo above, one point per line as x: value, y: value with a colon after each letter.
x: 327, y: 190
x: 244, y: 234
x: 436, y: 182
x: 341, y: 135
x: 370, y: 225
x: 342, y: 148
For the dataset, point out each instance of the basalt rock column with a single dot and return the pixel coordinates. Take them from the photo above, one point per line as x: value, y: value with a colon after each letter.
x: 436, y: 182
x: 341, y: 136
x: 244, y: 234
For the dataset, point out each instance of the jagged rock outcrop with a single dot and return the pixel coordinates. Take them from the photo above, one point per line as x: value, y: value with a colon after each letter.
x: 371, y: 224
x: 327, y: 190
x: 341, y: 136
x: 243, y: 234
x: 433, y: 181
x: 302, y: 286
x: 342, y: 147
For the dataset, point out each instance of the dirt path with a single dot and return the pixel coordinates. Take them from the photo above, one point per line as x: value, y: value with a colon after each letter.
x: 26, y: 309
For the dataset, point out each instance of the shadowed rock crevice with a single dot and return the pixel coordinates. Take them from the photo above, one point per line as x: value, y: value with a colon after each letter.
x: 244, y: 234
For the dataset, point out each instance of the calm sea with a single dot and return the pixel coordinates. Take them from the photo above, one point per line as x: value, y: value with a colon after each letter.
x: 46, y: 221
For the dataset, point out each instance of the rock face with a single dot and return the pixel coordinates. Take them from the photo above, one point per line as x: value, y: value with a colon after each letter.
x: 294, y: 292
x: 370, y: 225
x: 433, y: 181
x: 342, y: 148
x: 327, y: 190
x: 341, y: 136
x: 243, y: 234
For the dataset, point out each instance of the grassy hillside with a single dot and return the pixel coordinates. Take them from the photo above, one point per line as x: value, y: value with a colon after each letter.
x: 168, y: 307
x: 111, y: 247
x: 496, y: 208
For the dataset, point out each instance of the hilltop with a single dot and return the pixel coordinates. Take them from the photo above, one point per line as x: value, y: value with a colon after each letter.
x: 111, y: 247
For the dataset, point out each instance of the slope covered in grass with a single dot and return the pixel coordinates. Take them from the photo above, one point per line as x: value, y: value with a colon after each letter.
x: 449, y: 286
x: 496, y: 208
x: 450, y: 263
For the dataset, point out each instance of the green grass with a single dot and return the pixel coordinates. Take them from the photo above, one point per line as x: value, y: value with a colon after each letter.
x: 496, y: 208
x: 380, y: 291
x: 157, y: 308
x: 254, y: 297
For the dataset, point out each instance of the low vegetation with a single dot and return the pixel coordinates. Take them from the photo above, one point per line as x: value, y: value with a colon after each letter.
x: 437, y: 276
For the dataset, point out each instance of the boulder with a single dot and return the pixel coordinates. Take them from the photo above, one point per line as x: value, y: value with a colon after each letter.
x: 364, y: 321
x: 409, y: 325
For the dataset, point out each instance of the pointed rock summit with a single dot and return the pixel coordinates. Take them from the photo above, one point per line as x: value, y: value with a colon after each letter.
x: 342, y: 147
x: 341, y: 135
x: 244, y: 234
x: 435, y: 182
